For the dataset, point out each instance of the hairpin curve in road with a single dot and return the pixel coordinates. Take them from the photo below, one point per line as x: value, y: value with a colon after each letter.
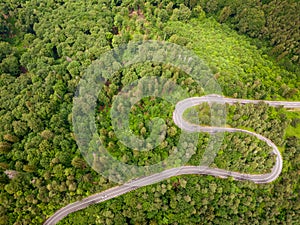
x: 180, y: 122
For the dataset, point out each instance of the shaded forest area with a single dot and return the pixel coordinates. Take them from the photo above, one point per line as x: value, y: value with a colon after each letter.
x: 274, y: 21
x: 45, y: 47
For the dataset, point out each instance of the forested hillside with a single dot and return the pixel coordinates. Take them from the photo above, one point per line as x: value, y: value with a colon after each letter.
x: 274, y: 21
x: 252, y: 49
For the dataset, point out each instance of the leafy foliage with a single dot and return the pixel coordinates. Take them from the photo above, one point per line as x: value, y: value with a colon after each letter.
x: 44, y: 50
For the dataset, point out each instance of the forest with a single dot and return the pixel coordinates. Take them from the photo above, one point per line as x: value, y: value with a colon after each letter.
x: 252, y: 50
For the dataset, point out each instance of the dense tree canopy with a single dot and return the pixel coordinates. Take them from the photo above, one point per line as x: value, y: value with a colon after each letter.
x: 45, y: 47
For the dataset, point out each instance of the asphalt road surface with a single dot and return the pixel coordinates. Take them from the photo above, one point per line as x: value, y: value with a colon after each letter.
x: 180, y: 122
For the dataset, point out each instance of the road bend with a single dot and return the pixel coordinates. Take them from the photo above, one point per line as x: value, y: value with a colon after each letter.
x: 203, y: 170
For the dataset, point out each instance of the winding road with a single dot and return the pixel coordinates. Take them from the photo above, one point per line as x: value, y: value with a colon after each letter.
x: 180, y: 122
